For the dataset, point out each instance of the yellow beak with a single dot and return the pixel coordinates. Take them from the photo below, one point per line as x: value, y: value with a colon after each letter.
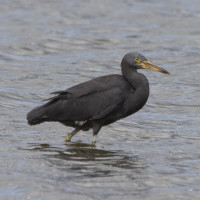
x: 148, y: 65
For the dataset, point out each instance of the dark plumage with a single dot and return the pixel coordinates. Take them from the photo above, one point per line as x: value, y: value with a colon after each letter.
x: 100, y: 101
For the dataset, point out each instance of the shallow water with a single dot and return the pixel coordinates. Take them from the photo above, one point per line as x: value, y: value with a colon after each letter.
x: 52, y: 45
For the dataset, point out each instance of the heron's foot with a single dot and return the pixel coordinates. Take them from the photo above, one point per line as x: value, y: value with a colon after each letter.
x: 68, y: 137
x: 93, y: 144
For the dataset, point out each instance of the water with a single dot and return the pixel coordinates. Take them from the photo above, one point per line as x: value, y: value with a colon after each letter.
x: 52, y: 45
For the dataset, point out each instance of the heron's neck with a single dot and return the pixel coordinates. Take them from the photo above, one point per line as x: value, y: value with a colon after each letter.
x: 136, y: 79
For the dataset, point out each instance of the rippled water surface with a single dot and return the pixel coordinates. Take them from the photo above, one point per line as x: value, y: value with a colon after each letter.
x: 51, y: 45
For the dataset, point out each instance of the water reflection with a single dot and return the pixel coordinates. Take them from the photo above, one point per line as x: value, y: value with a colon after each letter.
x: 87, y: 161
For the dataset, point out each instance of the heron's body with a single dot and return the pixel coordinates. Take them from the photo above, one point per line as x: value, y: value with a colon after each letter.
x: 97, y: 102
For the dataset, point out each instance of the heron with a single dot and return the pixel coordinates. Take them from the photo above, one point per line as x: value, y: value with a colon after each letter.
x: 100, y: 101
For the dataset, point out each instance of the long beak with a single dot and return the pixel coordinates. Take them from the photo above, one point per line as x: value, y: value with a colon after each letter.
x: 148, y: 65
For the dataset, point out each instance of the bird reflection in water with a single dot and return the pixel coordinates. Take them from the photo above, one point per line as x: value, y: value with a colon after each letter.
x: 89, y: 161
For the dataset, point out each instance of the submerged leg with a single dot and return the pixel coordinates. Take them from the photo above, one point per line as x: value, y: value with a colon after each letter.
x: 94, y: 138
x: 96, y: 129
x: 70, y: 135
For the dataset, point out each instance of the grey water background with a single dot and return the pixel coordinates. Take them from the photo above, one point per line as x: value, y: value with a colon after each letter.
x: 51, y: 45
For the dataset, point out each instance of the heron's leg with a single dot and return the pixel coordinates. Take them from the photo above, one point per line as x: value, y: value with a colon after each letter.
x: 96, y: 129
x: 70, y: 135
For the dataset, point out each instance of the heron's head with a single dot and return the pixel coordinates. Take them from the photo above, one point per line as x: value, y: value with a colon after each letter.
x: 138, y: 61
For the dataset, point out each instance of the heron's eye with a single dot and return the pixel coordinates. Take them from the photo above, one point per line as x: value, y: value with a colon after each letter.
x: 137, y: 60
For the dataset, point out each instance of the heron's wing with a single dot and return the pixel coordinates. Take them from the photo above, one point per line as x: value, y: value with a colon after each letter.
x: 85, y: 88
x: 90, y: 100
x: 105, y: 102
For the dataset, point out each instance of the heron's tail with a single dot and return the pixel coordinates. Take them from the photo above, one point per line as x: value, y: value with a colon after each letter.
x: 37, y: 115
